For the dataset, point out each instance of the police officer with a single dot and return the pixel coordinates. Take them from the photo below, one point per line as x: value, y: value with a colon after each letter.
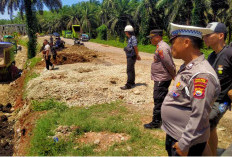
x: 132, y: 54
x: 221, y: 60
x: 186, y: 107
x: 163, y: 70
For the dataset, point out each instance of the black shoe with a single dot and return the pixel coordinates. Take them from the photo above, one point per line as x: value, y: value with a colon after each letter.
x: 125, y: 87
x: 152, y: 125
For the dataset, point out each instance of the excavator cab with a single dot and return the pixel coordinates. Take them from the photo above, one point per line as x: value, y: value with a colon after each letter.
x: 7, y: 61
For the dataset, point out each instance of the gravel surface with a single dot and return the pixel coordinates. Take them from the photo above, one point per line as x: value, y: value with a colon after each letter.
x: 96, y: 82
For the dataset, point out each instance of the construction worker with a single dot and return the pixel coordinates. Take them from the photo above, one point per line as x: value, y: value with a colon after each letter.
x: 132, y: 54
x: 221, y: 60
x: 51, y: 39
x: 163, y: 70
x: 186, y: 107
x: 47, y: 54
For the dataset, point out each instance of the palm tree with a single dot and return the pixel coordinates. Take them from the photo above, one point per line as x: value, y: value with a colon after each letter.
x: 185, y: 10
x: 89, y: 18
x: 222, y: 12
x: 29, y: 7
x: 148, y: 17
x: 74, y: 16
x: 121, y: 15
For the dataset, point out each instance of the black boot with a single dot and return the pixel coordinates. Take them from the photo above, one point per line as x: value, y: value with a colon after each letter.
x: 125, y: 87
x: 153, y: 125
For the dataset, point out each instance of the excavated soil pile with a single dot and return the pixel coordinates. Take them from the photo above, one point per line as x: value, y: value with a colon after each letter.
x: 73, y: 54
x: 76, y: 54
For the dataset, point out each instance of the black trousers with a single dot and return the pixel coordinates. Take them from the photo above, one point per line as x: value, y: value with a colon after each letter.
x: 195, y: 150
x: 159, y: 93
x: 48, y: 62
x: 130, y: 71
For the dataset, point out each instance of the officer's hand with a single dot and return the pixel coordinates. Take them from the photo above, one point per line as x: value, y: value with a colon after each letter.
x: 138, y: 57
x: 230, y: 94
x: 178, y: 150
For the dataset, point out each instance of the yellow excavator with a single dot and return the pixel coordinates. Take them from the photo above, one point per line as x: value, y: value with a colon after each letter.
x: 8, y: 70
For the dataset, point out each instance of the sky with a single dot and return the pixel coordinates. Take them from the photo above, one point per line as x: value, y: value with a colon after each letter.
x: 64, y: 2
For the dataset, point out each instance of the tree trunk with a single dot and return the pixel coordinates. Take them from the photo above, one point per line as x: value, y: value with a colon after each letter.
x: 31, y: 23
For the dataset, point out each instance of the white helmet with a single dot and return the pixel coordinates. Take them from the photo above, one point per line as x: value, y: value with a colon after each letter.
x: 129, y: 28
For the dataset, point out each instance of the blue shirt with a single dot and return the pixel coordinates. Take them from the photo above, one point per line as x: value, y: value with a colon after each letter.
x: 132, y: 42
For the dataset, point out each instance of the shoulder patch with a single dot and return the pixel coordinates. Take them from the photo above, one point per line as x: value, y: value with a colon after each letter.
x: 161, y: 53
x: 199, y: 88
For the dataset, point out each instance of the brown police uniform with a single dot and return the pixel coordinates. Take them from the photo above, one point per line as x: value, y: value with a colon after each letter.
x: 162, y: 71
x: 186, y: 108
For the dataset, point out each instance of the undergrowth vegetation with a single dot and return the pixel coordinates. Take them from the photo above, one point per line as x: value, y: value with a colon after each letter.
x: 113, y: 117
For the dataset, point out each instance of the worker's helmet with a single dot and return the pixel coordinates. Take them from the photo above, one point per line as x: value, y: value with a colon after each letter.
x: 129, y: 28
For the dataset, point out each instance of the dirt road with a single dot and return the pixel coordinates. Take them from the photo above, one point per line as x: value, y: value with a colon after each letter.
x: 117, y: 55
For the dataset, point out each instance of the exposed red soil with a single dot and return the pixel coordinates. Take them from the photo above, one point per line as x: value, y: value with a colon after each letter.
x: 103, y: 140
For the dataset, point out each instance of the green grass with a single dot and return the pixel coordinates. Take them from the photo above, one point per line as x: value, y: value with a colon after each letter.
x: 142, y: 48
x: 31, y: 63
x: 47, y: 105
x: 23, y: 42
x: 113, y: 117
x: 30, y: 76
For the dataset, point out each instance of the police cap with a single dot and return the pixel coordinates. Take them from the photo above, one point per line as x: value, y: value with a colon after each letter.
x: 155, y: 32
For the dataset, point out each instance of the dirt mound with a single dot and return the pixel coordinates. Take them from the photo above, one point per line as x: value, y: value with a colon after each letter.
x: 73, y: 54
x: 69, y: 58
x: 103, y: 139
